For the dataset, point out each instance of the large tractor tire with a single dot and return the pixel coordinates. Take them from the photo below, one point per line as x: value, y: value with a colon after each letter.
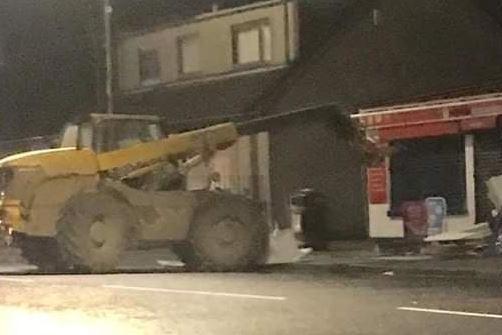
x: 227, y: 234
x: 93, y: 231
x: 40, y: 251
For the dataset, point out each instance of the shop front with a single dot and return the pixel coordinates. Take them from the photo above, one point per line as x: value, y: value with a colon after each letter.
x: 439, y: 153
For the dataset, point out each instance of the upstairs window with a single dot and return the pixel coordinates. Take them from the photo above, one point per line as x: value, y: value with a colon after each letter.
x: 149, y: 67
x: 188, y: 54
x: 252, y: 43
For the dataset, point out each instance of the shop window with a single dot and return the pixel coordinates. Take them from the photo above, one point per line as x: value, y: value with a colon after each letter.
x: 487, y: 164
x: 431, y: 167
x: 252, y: 43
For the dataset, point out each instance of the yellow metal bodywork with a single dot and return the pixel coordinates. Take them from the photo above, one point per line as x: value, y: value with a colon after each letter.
x: 11, y: 213
x: 44, y: 180
x: 55, y: 162
x: 64, y: 161
x: 177, y: 145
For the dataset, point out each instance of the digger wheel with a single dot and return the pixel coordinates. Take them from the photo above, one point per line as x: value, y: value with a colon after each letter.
x: 92, y: 232
x: 40, y: 251
x: 229, y: 234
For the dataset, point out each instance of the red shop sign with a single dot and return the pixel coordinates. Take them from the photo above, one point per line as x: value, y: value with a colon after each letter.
x: 377, y: 185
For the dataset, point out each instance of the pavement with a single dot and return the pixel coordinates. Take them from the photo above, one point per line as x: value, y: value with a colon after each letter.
x: 11, y: 261
x: 348, y: 289
x: 448, y: 260
x: 271, y: 302
x: 341, y: 257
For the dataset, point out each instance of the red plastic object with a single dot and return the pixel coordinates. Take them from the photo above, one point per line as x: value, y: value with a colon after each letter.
x: 414, y: 215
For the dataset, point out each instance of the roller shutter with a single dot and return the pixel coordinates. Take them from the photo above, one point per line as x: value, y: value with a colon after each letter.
x: 488, y: 163
x: 429, y: 167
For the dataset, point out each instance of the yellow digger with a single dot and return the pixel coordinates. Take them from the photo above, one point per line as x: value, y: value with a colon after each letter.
x: 115, y: 182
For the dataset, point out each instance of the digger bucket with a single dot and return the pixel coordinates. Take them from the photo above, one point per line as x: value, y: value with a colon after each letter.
x: 284, y: 247
x: 494, y: 186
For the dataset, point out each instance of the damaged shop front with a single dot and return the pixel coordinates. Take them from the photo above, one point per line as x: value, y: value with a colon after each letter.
x: 431, y: 182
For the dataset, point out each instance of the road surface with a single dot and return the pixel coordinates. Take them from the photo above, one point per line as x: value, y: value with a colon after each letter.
x: 275, y: 302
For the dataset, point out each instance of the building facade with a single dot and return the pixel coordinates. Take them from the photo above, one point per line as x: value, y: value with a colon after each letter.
x: 275, y: 59
x: 224, y: 43
x: 220, y: 65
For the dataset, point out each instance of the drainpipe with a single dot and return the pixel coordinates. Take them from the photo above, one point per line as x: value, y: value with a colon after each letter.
x: 287, y: 47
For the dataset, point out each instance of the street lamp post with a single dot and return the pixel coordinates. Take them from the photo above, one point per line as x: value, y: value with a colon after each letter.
x: 107, y: 15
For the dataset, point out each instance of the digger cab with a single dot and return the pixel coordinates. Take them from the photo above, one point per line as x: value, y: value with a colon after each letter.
x: 108, y: 132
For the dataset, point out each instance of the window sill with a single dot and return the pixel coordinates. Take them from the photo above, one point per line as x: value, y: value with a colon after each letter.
x: 250, y: 66
x: 203, y: 78
x: 189, y: 75
x: 400, y: 217
x: 150, y: 82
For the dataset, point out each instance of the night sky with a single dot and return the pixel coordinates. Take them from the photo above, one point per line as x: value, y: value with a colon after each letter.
x: 52, y: 55
x: 49, y: 64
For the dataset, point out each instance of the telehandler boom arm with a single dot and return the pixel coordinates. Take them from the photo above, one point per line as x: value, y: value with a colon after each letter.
x: 141, y: 158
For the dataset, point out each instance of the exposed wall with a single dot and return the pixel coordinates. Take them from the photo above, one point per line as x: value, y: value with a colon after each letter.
x: 306, y: 153
x: 243, y: 169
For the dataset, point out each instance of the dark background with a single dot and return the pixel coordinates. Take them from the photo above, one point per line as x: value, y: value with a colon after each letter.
x: 52, y: 55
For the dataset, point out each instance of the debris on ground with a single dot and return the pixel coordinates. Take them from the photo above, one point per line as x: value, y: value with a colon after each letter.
x: 284, y: 248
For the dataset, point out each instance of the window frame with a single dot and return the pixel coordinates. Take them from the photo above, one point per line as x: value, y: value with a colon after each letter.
x: 250, y: 26
x: 179, y: 42
x: 104, y: 133
x: 143, y: 52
